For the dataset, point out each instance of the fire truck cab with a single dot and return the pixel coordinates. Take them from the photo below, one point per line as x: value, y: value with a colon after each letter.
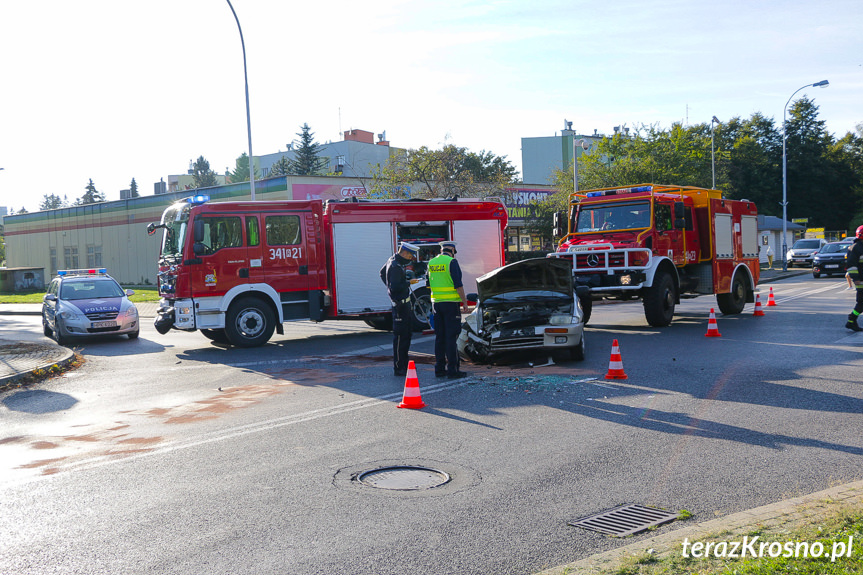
x: 660, y: 243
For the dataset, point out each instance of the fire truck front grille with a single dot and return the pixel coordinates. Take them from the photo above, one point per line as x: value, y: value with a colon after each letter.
x: 594, y: 260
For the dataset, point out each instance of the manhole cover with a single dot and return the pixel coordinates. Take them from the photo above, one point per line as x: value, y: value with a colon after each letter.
x: 625, y: 520
x: 403, y: 478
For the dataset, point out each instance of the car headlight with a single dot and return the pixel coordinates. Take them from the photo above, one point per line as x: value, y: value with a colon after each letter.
x: 132, y: 312
x: 560, y: 319
x: 65, y: 314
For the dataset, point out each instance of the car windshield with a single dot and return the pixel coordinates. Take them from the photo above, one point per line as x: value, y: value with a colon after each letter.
x: 90, y: 289
x: 613, y: 217
x: 833, y: 248
x: 807, y: 245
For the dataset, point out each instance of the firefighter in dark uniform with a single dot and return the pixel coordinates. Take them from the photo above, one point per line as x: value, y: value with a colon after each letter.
x: 447, y: 295
x: 399, y: 289
x: 853, y: 265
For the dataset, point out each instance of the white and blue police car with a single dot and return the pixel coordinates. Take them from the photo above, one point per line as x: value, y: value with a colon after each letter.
x: 87, y: 302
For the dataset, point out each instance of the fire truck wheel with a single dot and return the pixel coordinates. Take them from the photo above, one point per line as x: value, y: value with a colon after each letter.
x: 421, y: 308
x: 659, y: 300
x: 733, y: 302
x: 249, y: 323
x: 217, y: 335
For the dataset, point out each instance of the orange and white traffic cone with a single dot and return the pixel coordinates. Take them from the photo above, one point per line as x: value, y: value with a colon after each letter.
x: 411, y: 398
x: 770, y: 301
x: 758, y: 310
x: 712, y: 327
x: 615, y: 364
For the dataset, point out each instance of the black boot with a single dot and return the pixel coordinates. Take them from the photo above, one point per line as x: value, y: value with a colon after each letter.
x: 852, y: 323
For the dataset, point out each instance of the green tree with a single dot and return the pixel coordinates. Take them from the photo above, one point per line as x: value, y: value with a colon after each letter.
x: 133, y: 189
x: 450, y: 171
x: 848, y: 151
x: 820, y: 182
x: 202, y: 175
x: 91, y: 195
x: 749, y: 164
x: 52, y: 202
x: 241, y: 170
x: 282, y: 167
x: 307, y: 160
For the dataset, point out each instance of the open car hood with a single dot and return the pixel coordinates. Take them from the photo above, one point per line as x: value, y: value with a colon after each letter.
x: 547, y: 274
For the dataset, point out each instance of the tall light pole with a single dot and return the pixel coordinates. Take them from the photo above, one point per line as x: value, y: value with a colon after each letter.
x: 584, y: 145
x: 248, y: 116
x: 712, y: 156
x: 821, y: 84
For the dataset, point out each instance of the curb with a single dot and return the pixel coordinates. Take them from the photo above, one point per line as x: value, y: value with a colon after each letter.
x: 780, y: 513
x: 8, y: 382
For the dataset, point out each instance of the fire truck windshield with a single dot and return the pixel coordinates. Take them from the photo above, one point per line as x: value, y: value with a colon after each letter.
x: 613, y: 216
x: 174, y: 221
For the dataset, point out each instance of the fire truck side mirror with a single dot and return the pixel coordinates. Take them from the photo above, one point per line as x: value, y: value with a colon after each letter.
x: 679, y: 215
x: 557, y: 228
x: 151, y: 229
x: 198, y: 229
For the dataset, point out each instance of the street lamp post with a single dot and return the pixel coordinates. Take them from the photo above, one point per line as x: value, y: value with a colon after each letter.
x: 821, y: 84
x: 584, y: 145
x: 248, y: 116
x: 712, y: 156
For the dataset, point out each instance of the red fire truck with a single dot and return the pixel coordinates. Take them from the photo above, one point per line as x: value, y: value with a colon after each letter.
x: 660, y: 243
x: 237, y: 270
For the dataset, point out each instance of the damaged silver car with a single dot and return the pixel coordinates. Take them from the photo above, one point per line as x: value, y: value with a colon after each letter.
x: 527, y: 305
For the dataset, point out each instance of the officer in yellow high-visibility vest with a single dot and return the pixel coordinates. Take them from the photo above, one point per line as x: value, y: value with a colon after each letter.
x: 447, y: 295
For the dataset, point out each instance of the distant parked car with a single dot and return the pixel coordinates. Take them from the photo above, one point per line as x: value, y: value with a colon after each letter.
x: 830, y: 259
x: 87, y: 302
x: 801, y: 253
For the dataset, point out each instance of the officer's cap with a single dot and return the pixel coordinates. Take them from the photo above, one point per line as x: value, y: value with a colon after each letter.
x: 448, y: 245
x: 415, y: 250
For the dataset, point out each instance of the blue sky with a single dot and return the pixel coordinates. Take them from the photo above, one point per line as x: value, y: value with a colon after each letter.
x: 114, y: 90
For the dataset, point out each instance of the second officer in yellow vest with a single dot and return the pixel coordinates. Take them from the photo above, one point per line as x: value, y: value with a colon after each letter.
x: 447, y: 295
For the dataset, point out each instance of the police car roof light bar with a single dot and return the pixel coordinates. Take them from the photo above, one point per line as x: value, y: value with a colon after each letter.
x: 83, y: 272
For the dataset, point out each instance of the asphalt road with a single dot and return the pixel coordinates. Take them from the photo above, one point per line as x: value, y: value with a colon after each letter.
x: 171, y: 455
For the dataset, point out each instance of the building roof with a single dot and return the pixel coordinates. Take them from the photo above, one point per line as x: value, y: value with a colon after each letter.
x: 773, y: 223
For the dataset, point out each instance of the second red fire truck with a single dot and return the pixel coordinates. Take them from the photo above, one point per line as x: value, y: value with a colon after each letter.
x: 660, y: 243
x: 237, y: 270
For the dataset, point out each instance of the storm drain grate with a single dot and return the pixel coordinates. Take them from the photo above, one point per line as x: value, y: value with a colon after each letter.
x: 625, y: 520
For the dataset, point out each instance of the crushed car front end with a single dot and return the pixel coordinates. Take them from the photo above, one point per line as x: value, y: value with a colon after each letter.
x: 527, y: 305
